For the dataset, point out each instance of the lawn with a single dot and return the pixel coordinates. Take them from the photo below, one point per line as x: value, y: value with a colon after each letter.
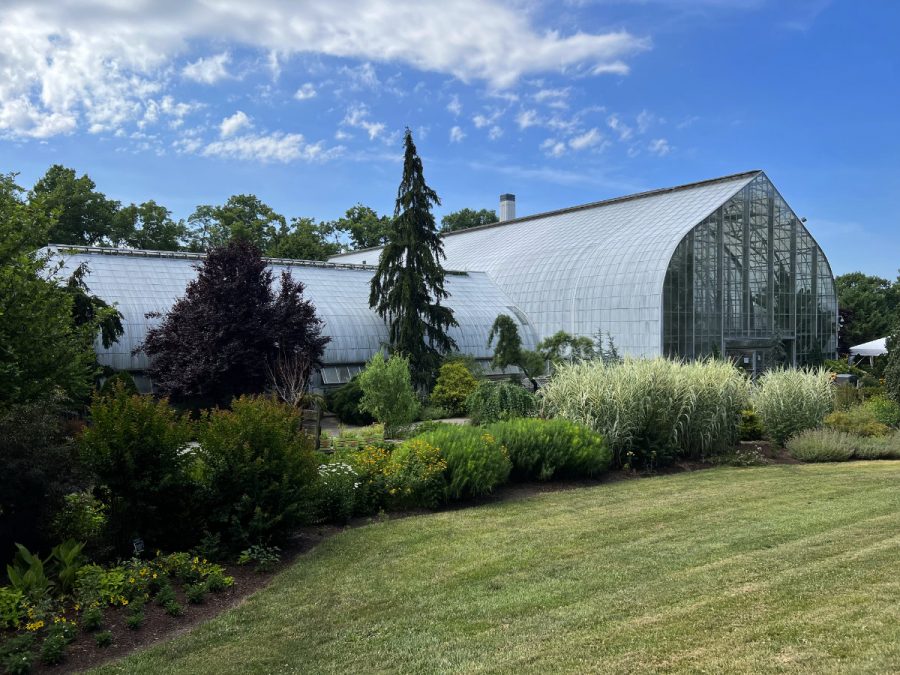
x: 758, y: 569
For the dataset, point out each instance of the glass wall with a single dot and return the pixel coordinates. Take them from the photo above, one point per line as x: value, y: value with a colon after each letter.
x: 749, y: 282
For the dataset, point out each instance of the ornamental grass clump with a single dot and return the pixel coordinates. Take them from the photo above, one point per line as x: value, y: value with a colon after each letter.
x: 793, y: 400
x: 497, y: 401
x: 651, y: 411
x: 545, y: 449
x: 823, y: 445
x: 878, y: 447
x: 476, y: 462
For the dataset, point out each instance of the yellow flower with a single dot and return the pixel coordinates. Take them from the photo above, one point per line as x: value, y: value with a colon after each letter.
x: 154, y: 575
x: 36, y: 625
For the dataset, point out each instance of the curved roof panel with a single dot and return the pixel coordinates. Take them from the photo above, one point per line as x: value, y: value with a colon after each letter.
x: 597, y: 267
x: 138, y: 282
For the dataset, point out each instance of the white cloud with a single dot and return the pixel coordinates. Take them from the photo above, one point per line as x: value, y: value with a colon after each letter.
x: 645, y: 120
x: 361, y: 77
x: 455, y: 106
x: 588, y: 139
x: 208, y: 70
x: 553, y: 147
x: 306, y: 91
x: 660, y: 146
x: 231, y: 125
x: 555, y: 98
x: 94, y: 64
x: 527, y: 118
x: 456, y: 135
x: 619, y: 127
x: 267, y: 148
x: 495, y: 133
x: 358, y: 116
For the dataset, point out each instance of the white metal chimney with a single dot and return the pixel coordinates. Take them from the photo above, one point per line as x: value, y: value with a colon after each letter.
x: 507, y: 207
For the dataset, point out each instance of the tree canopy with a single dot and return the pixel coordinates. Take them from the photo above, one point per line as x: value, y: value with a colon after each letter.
x: 508, y: 350
x: 408, y: 286
x: 869, y: 307
x: 364, y: 226
x: 466, y: 218
x: 217, y: 341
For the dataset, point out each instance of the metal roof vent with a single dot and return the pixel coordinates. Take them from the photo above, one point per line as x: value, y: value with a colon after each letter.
x: 507, y: 207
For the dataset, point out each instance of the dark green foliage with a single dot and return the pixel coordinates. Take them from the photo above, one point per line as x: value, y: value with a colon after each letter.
x: 467, y: 218
x: 264, y: 558
x: 135, y: 447
x: 259, y: 471
x: 243, y: 217
x: 27, y: 574
x: 150, y: 226
x: 496, y: 401
x: 417, y: 475
x: 91, y: 311
x: 67, y: 559
x: 17, y: 654
x: 344, y: 402
x: 562, y: 347
x: 454, y: 384
x: 750, y: 427
x: 858, y: 420
x: 868, y: 307
x: 59, y: 636
x: 81, y: 214
x: 214, y: 343
x: 884, y: 410
x: 103, y: 639
x: 388, y: 393
x: 892, y: 366
x: 338, y: 482
x: 92, y: 619
x: 408, y: 287
x: 195, y: 593
x: 135, y: 620
x: 476, y: 462
x: 305, y: 239
x: 545, y: 449
x: 37, y: 469
x: 508, y: 350
x: 119, y: 379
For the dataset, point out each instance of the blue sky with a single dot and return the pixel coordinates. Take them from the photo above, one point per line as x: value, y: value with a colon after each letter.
x: 560, y: 103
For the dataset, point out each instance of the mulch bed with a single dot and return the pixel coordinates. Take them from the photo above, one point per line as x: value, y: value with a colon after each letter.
x: 158, y: 626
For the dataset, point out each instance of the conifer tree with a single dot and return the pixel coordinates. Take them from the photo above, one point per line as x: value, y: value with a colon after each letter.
x: 408, y: 287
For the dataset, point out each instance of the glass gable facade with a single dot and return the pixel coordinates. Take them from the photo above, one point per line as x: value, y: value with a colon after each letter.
x: 750, y: 283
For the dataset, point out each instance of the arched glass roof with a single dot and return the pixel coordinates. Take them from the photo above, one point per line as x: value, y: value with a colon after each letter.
x: 597, y: 267
x: 139, y: 282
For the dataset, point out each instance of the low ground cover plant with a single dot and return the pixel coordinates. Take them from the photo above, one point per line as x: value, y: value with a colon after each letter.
x: 822, y: 445
x: 792, y: 400
x: 495, y: 401
x: 652, y: 411
x: 546, y: 449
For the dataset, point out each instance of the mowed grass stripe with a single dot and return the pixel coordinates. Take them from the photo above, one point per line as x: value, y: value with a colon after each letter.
x: 770, y: 569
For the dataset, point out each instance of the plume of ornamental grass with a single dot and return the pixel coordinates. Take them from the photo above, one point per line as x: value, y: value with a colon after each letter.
x: 652, y: 410
x: 792, y: 400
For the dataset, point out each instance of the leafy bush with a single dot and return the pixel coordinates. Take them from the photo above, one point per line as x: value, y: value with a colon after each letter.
x: 846, y: 396
x: 53, y: 649
x: 431, y: 413
x: 841, y: 367
x: 859, y: 421
x: 650, y: 411
x: 878, y: 447
x: 344, y: 402
x: 476, y: 462
x: 259, y: 471
x: 545, y: 449
x: 498, y: 401
x: 195, y: 593
x: 12, y: 607
x: 884, y: 410
x: 417, y: 475
x: 388, y: 393
x: 135, y: 619
x: 822, y: 445
x: 454, y: 384
x: 136, y: 449
x: 27, y: 574
x: 103, y: 639
x: 82, y: 517
x: 372, y: 475
x: 791, y: 401
x: 750, y: 427
x: 92, y: 618
x: 265, y: 558
x: 94, y: 584
x: 119, y: 380
x: 37, y: 469
x: 338, y: 483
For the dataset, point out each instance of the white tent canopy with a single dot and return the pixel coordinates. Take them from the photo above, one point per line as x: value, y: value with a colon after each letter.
x: 873, y: 348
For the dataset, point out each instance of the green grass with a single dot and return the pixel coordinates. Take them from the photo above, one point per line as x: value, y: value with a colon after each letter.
x: 768, y: 569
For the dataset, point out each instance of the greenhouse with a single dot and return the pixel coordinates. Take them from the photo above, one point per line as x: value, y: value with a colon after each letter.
x: 722, y: 267
x: 143, y: 282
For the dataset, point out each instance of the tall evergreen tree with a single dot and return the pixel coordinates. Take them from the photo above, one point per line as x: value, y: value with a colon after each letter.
x: 408, y: 287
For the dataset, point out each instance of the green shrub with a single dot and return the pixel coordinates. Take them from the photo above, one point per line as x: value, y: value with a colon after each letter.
x: 388, y: 393
x: 878, y: 447
x: 92, y: 618
x: 544, y: 449
x: 195, y: 593
x: 93, y: 584
x: 135, y: 447
x: 750, y: 427
x: 135, y: 620
x: 858, y: 420
x: 82, y: 517
x: 344, y: 402
x: 259, y: 471
x: 476, y: 462
x: 120, y: 380
x: 416, y: 472
x: 841, y: 367
x: 435, y: 412
x: 498, y: 401
x: 822, y: 445
x: 884, y: 410
x: 53, y: 649
x: 371, y: 467
x: 265, y: 558
x: 338, y: 482
x: 28, y: 575
x: 12, y: 607
x: 791, y: 401
x: 454, y: 384
x: 652, y: 410
x: 103, y: 639
x: 18, y: 662
x: 847, y: 396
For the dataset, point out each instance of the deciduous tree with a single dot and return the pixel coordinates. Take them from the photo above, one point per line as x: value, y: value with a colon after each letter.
x: 467, y: 218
